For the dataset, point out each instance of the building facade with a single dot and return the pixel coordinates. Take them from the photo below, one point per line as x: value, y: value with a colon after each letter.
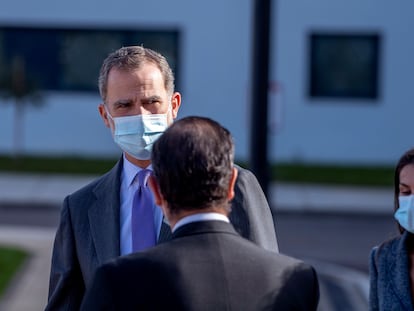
x: 340, y: 84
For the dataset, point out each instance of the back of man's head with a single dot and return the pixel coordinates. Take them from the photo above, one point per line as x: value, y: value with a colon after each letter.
x: 193, y: 164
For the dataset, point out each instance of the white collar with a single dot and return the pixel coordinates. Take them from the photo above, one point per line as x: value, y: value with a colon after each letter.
x: 200, y: 217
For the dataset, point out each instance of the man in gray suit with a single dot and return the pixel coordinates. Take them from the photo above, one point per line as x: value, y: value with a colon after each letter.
x: 139, y: 102
x: 206, y: 265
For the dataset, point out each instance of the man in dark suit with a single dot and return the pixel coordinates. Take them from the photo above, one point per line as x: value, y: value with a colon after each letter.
x: 139, y: 102
x: 206, y: 265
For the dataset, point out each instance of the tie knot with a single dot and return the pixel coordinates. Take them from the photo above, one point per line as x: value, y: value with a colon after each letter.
x: 143, y: 177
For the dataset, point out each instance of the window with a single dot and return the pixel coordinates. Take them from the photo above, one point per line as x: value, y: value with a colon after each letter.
x: 344, y: 65
x: 70, y: 59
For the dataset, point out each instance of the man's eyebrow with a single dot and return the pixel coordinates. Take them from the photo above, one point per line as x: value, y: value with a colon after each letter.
x: 152, y: 98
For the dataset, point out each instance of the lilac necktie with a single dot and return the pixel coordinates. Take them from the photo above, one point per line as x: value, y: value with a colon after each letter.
x: 142, y: 218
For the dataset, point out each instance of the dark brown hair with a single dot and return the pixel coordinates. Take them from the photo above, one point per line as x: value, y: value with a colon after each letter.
x: 406, y: 158
x: 193, y: 164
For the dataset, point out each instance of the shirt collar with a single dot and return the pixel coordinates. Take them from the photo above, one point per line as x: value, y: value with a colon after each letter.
x: 200, y: 217
x: 130, y: 170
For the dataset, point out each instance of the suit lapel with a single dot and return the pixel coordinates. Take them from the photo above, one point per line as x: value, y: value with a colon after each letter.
x: 104, y: 216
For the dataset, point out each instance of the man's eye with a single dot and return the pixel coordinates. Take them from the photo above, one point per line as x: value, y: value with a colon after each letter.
x: 122, y: 105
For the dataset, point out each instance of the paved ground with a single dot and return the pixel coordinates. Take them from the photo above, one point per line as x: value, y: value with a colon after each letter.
x: 29, y: 288
x: 341, y: 239
x: 51, y: 189
x: 334, y: 228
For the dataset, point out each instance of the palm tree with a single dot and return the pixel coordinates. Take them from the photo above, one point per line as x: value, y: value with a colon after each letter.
x: 16, y: 85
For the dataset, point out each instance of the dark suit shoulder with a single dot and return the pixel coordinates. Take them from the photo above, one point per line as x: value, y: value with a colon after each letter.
x: 206, y: 253
x: 110, y: 181
x: 280, y: 261
x: 88, y: 188
x: 101, y: 181
x: 296, y: 281
x: 152, y: 266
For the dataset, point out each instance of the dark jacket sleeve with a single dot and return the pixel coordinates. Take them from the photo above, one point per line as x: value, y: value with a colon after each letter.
x: 315, y: 293
x: 100, y: 295
x: 373, y: 277
x: 251, y: 215
x: 300, y: 289
x: 307, y: 278
x: 66, y: 286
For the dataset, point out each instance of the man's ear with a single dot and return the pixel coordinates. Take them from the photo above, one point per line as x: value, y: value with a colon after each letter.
x: 232, y: 183
x: 175, y: 104
x: 104, y: 115
x: 160, y: 201
x: 155, y: 188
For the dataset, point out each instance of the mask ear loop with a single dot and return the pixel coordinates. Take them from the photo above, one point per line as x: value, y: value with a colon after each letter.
x: 111, y: 126
x: 169, y: 110
x: 107, y: 112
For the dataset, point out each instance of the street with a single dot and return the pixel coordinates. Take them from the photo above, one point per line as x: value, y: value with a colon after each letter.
x: 337, y: 245
x: 344, y: 239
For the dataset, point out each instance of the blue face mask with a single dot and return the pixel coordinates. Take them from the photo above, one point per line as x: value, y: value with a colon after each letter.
x: 405, y: 213
x: 136, y: 134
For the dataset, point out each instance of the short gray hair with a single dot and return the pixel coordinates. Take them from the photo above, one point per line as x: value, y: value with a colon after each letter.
x: 132, y: 58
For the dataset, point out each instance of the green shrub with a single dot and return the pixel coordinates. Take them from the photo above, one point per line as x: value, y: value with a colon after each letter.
x: 11, y: 259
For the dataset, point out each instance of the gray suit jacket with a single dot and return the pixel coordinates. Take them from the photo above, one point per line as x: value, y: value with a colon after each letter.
x: 206, y: 266
x: 390, y: 276
x: 88, y: 233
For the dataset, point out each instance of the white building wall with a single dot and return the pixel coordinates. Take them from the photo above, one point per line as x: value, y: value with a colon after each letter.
x: 214, y: 77
x: 213, y: 68
x: 343, y: 130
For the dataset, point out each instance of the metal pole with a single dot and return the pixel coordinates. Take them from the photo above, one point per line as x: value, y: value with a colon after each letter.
x: 259, y: 95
